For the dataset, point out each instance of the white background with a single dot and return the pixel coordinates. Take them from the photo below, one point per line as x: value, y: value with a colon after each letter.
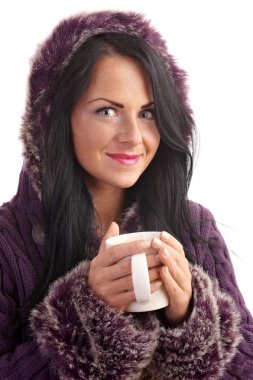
x: 212, y: 41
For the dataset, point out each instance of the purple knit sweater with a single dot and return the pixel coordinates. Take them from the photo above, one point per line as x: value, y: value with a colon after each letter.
x: 73, y: 335
x: 80, y: 337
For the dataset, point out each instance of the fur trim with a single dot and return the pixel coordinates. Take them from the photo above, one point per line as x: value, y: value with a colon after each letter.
x: 130, y: 220
x: 86, y: 339
x: 202, y: 346
x: 54, y: 55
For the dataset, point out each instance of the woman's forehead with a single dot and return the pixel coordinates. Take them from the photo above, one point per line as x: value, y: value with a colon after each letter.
x: 118, y: 76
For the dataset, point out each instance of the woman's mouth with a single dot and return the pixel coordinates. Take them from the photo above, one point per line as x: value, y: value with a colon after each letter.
x: 125, y: 159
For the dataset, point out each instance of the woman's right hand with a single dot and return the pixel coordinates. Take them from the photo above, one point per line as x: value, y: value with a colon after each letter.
x: 111, y: 280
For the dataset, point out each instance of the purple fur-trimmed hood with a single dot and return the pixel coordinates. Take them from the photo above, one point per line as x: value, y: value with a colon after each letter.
x: 54, y: 55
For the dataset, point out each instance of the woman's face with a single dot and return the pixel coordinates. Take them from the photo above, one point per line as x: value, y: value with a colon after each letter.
x: 113, y: 126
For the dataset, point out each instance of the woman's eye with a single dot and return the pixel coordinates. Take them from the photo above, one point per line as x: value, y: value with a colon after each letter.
x: 147, y: 114
x: 107, y: 111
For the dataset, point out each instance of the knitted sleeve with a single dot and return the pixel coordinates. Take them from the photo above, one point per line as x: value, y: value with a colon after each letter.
x: 215, y: 260
x: 19, y: 358
x: 86, y: 339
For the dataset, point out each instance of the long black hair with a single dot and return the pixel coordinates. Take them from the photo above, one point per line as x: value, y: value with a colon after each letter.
x: 161, y: 191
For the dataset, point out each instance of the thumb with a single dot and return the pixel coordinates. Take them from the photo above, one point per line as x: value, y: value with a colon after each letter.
x: 113, y: 230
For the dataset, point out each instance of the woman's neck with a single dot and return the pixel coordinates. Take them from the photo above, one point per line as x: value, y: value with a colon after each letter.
x: 108, y: 203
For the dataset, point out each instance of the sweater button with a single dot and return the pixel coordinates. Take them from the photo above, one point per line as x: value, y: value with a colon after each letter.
x: 38, y: 234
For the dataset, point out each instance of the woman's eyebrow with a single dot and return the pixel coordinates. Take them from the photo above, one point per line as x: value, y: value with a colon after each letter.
x: 147, y: 105
x: 119, y: 104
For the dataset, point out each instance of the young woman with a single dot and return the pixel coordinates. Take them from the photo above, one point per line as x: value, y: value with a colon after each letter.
x: 108, y: 140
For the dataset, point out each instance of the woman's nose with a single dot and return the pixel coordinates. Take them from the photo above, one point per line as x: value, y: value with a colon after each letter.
x: 130, y: 132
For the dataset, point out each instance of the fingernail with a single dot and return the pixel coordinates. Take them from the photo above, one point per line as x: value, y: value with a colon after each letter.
x: 144, y: 244
x: 165, y: 252
x: 157, y: 243
x: 165, y: 235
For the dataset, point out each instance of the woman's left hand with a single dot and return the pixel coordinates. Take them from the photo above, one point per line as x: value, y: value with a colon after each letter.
x: 176, y: 276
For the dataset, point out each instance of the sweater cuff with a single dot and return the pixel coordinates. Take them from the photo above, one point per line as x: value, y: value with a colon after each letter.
x: 201, y: 347
x: 87, y: 339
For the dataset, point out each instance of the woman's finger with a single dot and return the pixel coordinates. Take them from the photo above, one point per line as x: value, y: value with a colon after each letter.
x: 126, y: 283
x: 115, y: 253
x: 123, y: 299
x: 172, y: 242
x: 179, y: 300
x: 180, y: 259
x: 172, y: 287
x: 124, y: 267
x: 179, y: 273
x: 178, y: 256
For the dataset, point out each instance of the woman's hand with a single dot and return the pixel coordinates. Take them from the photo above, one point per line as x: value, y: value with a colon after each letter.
x: 111, y: 280
x: 176, y: 277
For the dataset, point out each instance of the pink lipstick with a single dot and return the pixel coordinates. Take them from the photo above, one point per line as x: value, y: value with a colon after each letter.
x: 126, y: 159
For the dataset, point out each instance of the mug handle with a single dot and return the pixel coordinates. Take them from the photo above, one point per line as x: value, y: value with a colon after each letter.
x: 140, y: 278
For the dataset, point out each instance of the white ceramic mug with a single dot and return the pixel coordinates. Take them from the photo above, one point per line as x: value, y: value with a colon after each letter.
x: 145, y: 301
